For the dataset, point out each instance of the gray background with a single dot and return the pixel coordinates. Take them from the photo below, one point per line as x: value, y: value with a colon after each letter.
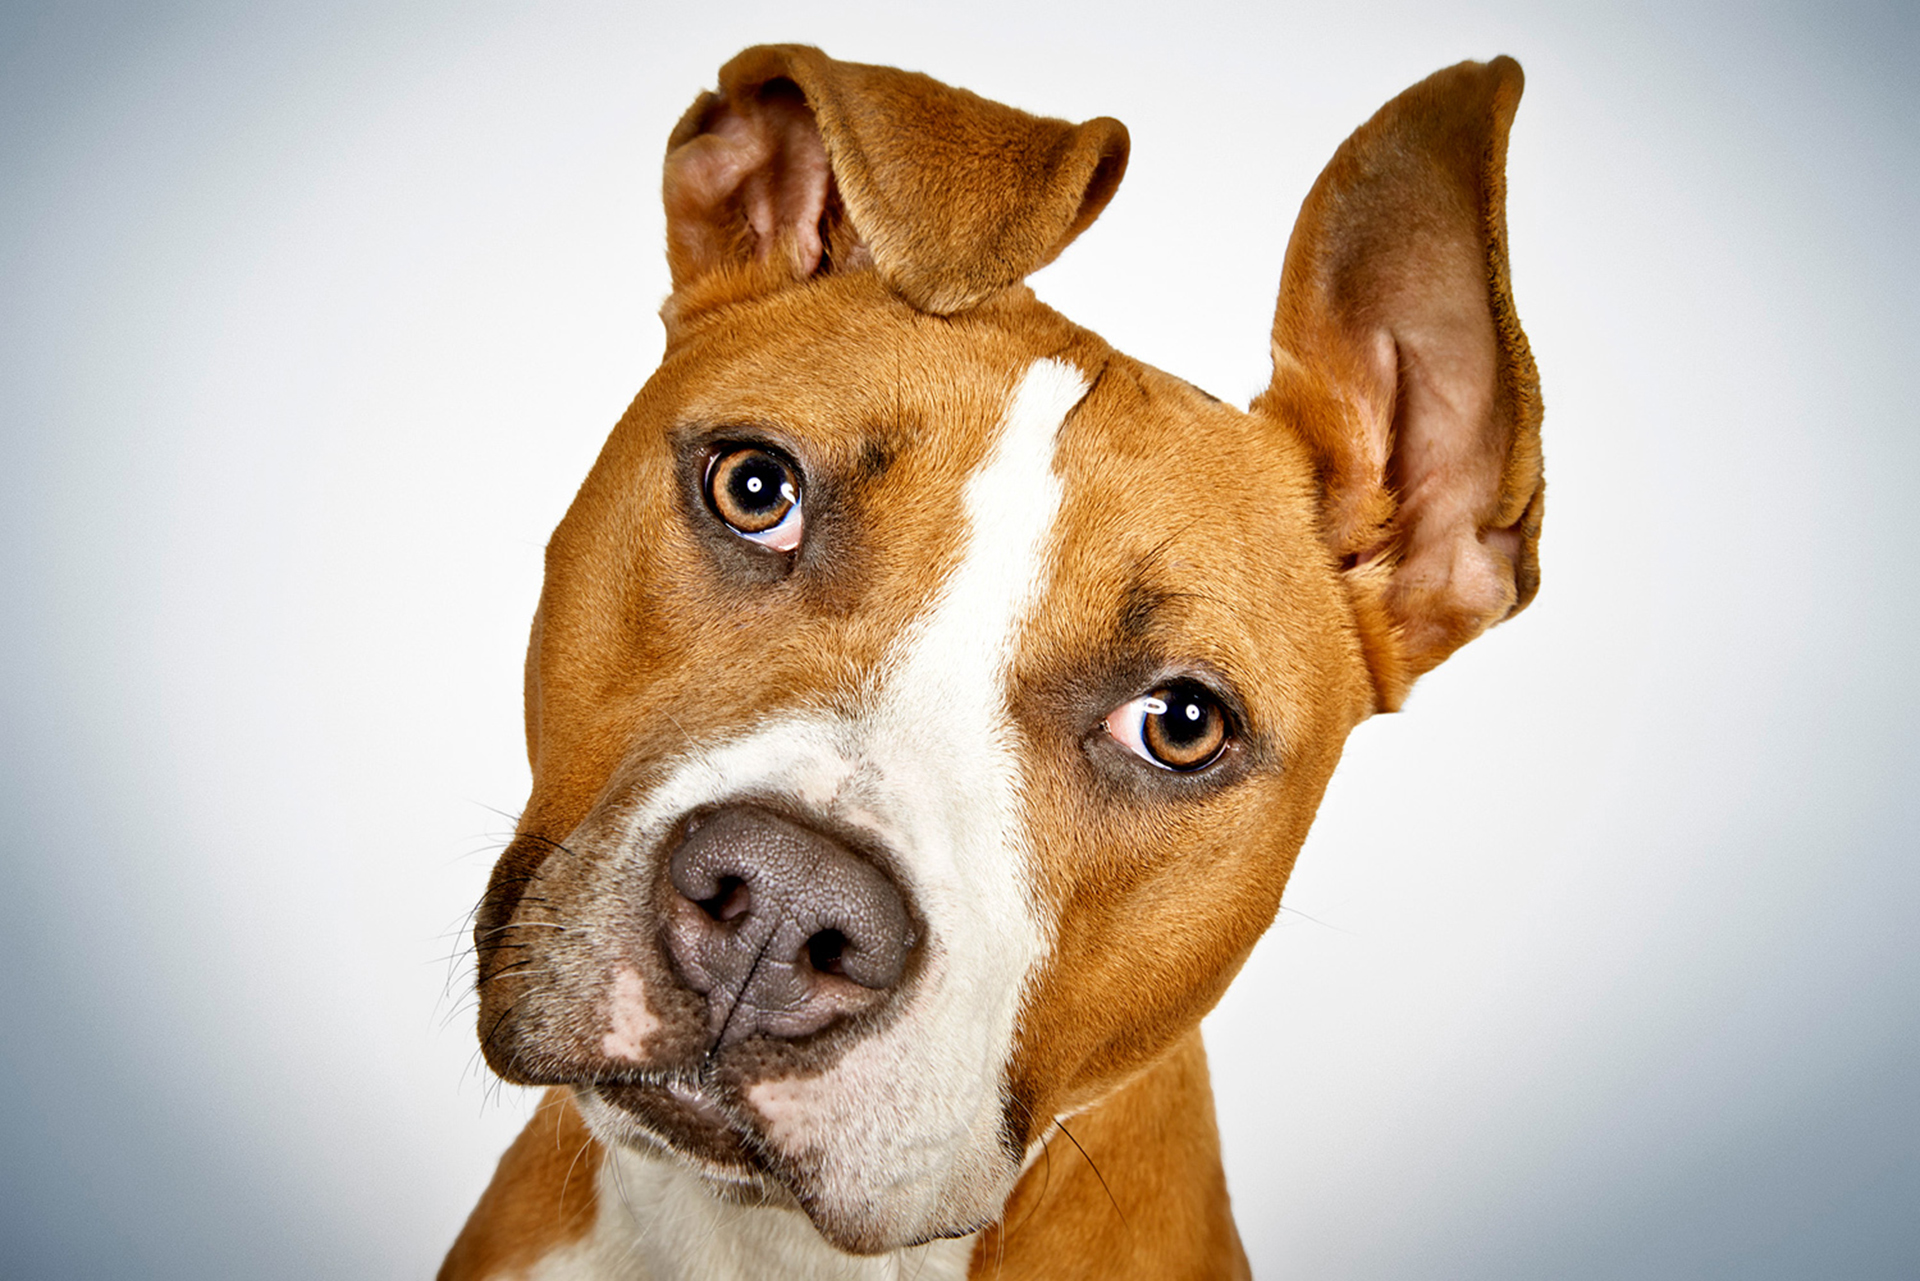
x: 1602, y: 958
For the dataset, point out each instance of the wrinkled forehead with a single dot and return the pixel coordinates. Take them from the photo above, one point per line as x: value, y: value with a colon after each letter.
x: 1116, y: 511
x: 862, y: 381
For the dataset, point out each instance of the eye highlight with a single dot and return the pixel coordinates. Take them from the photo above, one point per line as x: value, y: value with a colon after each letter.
x: 757, y: 493
x: 1179, y: 727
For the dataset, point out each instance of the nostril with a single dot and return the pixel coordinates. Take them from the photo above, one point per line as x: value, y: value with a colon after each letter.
x: 782, y: 928
x: 826, y: 952
x: 731, y: 899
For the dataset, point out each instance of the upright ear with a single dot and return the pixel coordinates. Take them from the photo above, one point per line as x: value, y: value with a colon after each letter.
x: 1398, y: 357
x: 800, y: 165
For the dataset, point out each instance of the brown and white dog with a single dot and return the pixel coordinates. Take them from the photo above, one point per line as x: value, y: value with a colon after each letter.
x: 927, y: 702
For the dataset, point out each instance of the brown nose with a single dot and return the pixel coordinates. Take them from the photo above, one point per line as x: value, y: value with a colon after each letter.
x: 783, y: 929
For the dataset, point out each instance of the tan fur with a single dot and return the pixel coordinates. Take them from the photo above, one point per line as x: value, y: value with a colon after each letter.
x: 1251, y: 591
x: 1130, y: 1188
x: 541, y: 1199
x: 846, y: 244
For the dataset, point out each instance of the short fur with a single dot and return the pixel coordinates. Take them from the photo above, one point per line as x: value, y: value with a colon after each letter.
x: 847, y: 245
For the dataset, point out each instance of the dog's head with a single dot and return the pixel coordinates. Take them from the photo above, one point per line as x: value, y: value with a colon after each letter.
x: 926, y: 702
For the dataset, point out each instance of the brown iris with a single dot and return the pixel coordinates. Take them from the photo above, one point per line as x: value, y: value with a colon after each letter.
x: 751, y: 489
x: 1189, y: 730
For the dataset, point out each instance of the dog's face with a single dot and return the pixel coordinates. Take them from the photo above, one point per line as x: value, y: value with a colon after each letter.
x: 927, y: 702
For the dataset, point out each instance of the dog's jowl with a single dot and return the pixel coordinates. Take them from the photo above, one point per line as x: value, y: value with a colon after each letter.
x: 926, y: 701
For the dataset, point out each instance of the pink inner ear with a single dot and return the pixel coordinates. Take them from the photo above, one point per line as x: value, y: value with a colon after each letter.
x: 1397, y: 348
x: 766, y: 155
x: 786, y: 195
x: 1449, y: 450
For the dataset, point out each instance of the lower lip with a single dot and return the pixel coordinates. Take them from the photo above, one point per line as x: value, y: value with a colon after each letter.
x: 699, y: 1104
x: 682, y: 1119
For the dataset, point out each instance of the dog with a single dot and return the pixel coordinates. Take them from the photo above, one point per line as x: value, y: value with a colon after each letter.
x: 926, y: 702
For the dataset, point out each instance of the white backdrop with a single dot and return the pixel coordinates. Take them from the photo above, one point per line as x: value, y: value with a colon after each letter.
x: 1601, y: 961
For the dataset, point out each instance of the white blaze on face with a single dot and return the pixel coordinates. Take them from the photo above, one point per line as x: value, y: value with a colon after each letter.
x: 904, y: 1132
x: 913, y: 1116
x: 942, y: 724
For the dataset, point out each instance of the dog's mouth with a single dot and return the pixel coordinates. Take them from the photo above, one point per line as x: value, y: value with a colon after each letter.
x: 685, y: 1119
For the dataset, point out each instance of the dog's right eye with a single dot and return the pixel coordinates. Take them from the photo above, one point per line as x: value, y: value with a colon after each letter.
x: 757, y: 493
x: 1179, y: 727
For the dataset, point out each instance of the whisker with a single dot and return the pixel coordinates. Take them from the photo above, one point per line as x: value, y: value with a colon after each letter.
x: 1096, y: 1172
x: 1046, y: 1180
x: 1328, y: 925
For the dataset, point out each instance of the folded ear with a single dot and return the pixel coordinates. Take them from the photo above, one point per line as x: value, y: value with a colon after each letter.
x: 804, y: 165
x: 1398, y: 357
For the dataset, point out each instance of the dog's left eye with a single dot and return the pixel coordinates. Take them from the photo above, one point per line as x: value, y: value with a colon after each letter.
x: 1180, y: 727
x: 757, y: 493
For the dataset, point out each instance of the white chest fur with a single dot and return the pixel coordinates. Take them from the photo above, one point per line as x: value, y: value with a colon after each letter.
x: 658, y: 1222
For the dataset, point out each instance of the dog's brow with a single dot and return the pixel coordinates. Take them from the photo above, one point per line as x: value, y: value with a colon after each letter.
x: 1145, y: 601
x: 1140, y: 604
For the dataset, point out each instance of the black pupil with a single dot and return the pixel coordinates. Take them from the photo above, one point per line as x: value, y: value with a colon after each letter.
x: 1187, y: 717
x: 755, y: 484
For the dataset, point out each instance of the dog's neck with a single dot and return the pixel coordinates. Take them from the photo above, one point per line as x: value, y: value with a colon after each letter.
x: 658, y: 1221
